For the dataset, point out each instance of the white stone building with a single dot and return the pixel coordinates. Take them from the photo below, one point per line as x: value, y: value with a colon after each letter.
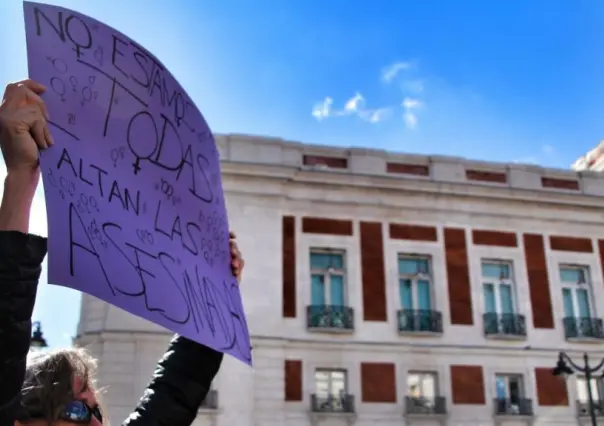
x: 593, y: 160
x: 448, y: 283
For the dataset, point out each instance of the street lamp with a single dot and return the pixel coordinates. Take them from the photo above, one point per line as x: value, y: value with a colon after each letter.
x: 37, y: 339
x: 564, y: 368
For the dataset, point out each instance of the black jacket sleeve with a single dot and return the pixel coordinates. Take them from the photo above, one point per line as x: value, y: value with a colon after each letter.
x: 179, y: 385
x: 21, y: 259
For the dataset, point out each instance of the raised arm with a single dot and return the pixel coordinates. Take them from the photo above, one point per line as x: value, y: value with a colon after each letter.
x: 183, y: 376
x: 21, y: 254
x: 179, y: 385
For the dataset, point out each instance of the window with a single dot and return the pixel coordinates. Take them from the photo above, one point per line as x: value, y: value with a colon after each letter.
x: 498, y: 287
x: 575, y: 291
x: 422, y: 385
x: 415, y: 282
x: 328, y: 276
x: 596, y: 389
x: 509, y: 387
x: 331, y: 389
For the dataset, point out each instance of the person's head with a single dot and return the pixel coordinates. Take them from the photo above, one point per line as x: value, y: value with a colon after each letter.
x: 59, y: 390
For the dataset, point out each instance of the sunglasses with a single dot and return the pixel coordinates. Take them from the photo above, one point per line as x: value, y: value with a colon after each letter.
x: 79, y: 412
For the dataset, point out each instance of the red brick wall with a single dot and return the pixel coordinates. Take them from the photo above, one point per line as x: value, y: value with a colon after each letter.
x: 484, y: 176
x: 399, y: 231
x: 408, y: 169
x: 482, y: 237
x: 289, y: 266
x: 293, y: 380
x: 378, y: 382
x: 331, y: 162
x: 458, y: 277
x: 536, y: 265
x: 467, y: 384
x: 551, y: 390
x: 573, y: 244
x: 318, y: 225
x: 373, y: 272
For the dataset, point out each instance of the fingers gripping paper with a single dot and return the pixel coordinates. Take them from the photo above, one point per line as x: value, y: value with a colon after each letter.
x: 136, y: 214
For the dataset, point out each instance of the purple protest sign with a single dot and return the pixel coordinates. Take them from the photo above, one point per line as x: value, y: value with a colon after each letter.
x: 136, y: 214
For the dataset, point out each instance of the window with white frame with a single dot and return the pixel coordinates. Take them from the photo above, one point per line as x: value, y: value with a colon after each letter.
x: 422, y: 385
x: 415, y: 282
x: 498, y: 286
x: 595, y: 385
x: 331, y: 387
x: 328, y: 277
x: 509, y: 387
x: 576, y: 291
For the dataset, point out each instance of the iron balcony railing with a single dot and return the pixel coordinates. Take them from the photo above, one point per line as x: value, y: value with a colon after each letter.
x: 583, y: 408
x: 583, y: 328
x: 330, y: 317
x: 420, y: 320
x: 211, y: 401
x: 332, y: 403
x: 425, y: 406
x: 513, y: 407
x: 504, y: 324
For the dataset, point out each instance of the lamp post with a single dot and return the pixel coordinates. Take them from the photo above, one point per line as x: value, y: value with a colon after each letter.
x: 563, y: 369
x: 37, y: 338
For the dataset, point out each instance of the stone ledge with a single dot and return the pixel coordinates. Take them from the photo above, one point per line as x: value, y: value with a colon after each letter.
x: 280, y: 153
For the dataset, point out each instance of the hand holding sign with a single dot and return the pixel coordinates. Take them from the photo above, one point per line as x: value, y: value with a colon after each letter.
x: 134, y: 197
x: 23, y: 118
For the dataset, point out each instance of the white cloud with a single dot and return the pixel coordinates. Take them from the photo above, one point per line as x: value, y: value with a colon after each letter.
x: 376, y: 115
x: 354, y: 104
x: 389, y: 73
x: 411, y: 105
x: 322, y: 110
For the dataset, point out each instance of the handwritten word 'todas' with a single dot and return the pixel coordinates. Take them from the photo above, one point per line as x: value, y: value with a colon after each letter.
x: 148, y: 277
x: 164, y: 148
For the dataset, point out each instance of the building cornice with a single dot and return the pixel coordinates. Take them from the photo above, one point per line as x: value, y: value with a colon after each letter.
x: 271, y: 158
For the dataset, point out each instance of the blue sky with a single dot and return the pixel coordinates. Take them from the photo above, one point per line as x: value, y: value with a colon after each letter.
x: 502, y: 80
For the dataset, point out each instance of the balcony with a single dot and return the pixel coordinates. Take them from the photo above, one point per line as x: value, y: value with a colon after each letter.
x: 583, y: 328
x: 419, y: 321
x: 210, y: 403
x: 415, y: 406
x: 583, y: 408
x: 504, y: 326
x: 328, y: 406
x: 332, y: 404
x: 330, y: 318
x: 516, y: 408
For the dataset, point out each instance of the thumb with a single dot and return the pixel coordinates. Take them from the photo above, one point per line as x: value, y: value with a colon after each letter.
x: 34, y: 86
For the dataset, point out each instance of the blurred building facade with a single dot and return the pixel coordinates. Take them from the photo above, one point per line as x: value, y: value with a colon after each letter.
x: 593, y: 160
x: 404, y: 290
